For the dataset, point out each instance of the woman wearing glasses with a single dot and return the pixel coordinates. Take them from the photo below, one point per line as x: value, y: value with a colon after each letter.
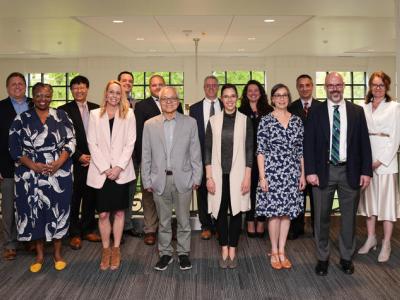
x: 380, y: 200
x: 281, y: 169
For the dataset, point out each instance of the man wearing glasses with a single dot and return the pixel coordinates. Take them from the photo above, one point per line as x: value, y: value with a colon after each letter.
x: 337, y: 156
x: 171, y: 169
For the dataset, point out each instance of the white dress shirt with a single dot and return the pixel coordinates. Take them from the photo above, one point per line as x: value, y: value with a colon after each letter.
x: 343, y: 128
x: 206, y: 109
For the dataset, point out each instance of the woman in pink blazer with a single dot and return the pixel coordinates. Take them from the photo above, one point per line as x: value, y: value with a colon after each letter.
x: 111, y: 139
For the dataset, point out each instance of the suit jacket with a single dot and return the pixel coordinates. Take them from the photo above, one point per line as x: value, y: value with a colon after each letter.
x: 110, y: 150
x: 7, y: 116
x: 317, y: 145
x: 185, y: 157
x: 145, y: 110
x: 196, y: 111
x: 297, y: 109
x: 81, y: 140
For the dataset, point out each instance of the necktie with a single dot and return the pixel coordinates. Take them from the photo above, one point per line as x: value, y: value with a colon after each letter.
x: 85, y: 117
x: 335, y: 135
x: 305, y: 108
x: 212, y: 109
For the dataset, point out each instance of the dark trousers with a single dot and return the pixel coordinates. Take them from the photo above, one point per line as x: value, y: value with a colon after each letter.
x: 85, y: 194
x: 228, y: 231
x: 297, y: 224
x: 202, y: 205
x: 250, y: 215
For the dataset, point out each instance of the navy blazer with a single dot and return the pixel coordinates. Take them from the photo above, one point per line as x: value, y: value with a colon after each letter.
x: 144, y: 110
x: 7, y: 116
x: 196, y: 111
x: 317, y: 145
x: 297, y: 109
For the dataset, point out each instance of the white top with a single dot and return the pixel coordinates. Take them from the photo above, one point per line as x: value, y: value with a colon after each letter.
x: 206, y: 109
x: 343, y: 127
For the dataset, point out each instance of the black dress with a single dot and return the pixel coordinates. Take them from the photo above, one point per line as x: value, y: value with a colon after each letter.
x: 112, y: 196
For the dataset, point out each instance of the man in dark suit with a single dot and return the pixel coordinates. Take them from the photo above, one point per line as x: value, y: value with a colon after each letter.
x: 13, y: 105
x: 337, y: 156
x: 78, y: 111
x: 302, y: 108
x: 145, y: 110
x: 202, y: 111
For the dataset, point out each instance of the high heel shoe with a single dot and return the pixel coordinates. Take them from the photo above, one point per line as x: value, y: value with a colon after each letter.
x: 369, y: 244
x: 275, y: 261
x: 285, y: 262
x: 384, y: 255
x: 105, y: 259
x: 115, y: 258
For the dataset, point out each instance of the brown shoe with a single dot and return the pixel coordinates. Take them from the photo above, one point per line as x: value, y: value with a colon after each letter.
x: 150, y: 238
x: 205, y: 234
x: 105, y: 259
x: 115, y: 258
x: 92, y: 237
x: 75, y: 243
x: 9, y: 254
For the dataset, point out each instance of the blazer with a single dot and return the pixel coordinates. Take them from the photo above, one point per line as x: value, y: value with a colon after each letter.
x: 187, y: 167
x: 196, y: 111
x: 317, y: 145
x: 145, y: 110
x: 297, y: 109
x: 7, y: 116
x: 81, y: 140
x: 110, y: 151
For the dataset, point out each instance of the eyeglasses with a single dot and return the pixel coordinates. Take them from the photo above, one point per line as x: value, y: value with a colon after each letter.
x: 169, y: 100
x: 281, y: 96
x: 334, y: 86
x: 377, y: 86
x: 211, y: 86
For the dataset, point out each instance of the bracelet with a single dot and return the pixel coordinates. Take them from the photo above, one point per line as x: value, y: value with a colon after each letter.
x: 260, y: 179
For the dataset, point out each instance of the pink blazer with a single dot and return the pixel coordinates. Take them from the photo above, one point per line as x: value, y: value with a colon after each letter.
x: 109, y: 151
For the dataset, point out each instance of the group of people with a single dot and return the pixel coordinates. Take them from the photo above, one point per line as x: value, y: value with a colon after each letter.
x: 260, y: 158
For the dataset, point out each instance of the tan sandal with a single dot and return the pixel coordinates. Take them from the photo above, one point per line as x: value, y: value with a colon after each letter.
x: 105, y: 259
x: 286, y: 264
x: 275, y: 262
x: 115, y: 258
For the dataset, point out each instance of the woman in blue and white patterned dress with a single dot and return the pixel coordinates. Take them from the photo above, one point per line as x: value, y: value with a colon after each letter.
x: 281, y: 168
x: 41, y: 142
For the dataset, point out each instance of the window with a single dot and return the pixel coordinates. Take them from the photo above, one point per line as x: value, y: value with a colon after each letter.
x: 239, y: 78
x: 60, y: 83
x: 140, y: 89
x: 355, y: 90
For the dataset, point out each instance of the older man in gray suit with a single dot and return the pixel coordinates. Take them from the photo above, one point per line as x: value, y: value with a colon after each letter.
x: 171, y: 169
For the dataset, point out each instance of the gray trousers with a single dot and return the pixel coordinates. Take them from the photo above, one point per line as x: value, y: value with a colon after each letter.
x: 348, y: 202
x: 128, y: 224
x: 165, y: 202
x: 8, y: 213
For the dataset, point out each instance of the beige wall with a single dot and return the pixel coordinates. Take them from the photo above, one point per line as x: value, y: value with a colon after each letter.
x: 279, y: 69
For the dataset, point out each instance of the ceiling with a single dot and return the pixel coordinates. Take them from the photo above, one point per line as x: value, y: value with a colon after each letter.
x: 85, y: 28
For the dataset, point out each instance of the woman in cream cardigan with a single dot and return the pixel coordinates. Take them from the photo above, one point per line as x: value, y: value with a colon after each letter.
x: 228, y: 160
x: 111, y: 138
x: 380, y: 200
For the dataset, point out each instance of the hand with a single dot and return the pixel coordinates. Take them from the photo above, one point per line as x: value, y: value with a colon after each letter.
x: 150, y: 190
x: 54, y: 166
x: 364, y: 181
x: 195, y: 187
x: 245, y: 186
x: 1, y: 177
x: 263, y: 184
x: 41, y: 168
x: 210, y: 186
x: 302, y: 183
x: 376, y: 165
x: 84, y: 159
x: 113, y: 173
x: 313, y: 179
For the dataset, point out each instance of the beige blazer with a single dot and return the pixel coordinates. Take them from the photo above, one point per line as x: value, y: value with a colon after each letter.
x: 110, y: 151
x: 239, y: 202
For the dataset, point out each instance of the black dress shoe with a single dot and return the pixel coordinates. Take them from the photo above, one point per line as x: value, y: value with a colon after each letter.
x: 132, y: 232
x: 322, y: 268
x: 292, y: 235
x: 251, y: 234
x: 346, y: 266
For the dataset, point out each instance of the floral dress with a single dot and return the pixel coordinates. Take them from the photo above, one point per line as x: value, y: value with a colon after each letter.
x: 42, y: 202
x: 282, y: 149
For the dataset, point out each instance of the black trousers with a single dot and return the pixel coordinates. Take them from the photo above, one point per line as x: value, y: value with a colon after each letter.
x: 85, y: 194
x: 228, y: 231
x: 253, y: 192
x: 202, y: 204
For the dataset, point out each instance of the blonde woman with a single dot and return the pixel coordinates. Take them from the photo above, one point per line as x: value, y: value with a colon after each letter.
x: 111, y: 139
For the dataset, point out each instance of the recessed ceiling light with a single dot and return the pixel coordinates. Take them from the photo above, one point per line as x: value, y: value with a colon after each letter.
x: 252, y: 38
x: 140, y: 39
x: 118, y: 21
x: 269, y: 20
x: 241, y: 50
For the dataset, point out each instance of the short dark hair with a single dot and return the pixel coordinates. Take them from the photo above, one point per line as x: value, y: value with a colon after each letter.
x: 280, y: 86
x: 124, y: 72
x: 78, y: 80
x: 15, y: 74
x: 41, y: 85
x: 228, y: 86
x: 304, y: 76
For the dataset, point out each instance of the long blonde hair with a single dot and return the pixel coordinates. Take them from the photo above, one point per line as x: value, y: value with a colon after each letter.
x: 123, y: 104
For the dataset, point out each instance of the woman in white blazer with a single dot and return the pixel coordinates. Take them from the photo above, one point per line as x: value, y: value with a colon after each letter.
x: 228, y: 159
x: 111, y: 139
x: 380, y: 200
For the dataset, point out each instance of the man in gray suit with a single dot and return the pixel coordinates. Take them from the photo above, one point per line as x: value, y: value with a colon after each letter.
x: 171, y: 169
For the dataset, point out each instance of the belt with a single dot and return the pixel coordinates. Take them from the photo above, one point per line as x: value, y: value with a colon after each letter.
x: 168, y: 172
x: 339, y: 164
x: 379, y: 134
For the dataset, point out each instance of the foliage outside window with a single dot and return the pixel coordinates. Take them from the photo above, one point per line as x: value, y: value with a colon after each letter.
x: 60, y: 83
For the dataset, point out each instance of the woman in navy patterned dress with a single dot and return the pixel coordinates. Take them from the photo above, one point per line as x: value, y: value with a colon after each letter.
x: 41, y: 142
x: 280, y: 164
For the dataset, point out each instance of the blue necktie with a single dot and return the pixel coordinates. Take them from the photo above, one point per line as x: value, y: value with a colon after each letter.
x: 335, y: 135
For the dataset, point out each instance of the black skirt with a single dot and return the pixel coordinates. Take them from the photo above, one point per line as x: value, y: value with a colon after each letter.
x: 112, y: 197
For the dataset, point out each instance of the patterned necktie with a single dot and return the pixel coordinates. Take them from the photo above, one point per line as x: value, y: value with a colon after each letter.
x: 305, y: 108
x: 212, y: 109
x: 85, y: 117
x: 335, y: 135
